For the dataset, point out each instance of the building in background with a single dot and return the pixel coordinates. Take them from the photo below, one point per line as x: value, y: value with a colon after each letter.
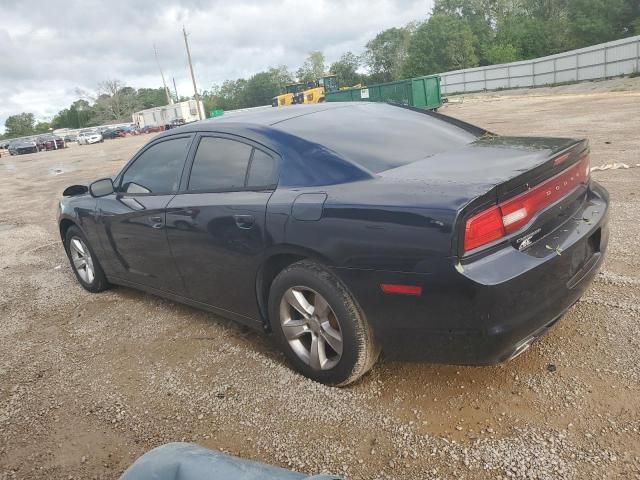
x: 160, y: 116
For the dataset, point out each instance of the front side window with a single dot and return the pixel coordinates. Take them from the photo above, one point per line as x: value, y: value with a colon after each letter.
x: 157, y: 169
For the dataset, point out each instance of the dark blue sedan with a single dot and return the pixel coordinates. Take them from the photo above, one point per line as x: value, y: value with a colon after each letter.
x: 347, y: 229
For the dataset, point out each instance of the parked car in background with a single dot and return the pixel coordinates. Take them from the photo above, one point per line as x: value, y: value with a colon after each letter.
x: 19, y: 147
x: 49, y: 142
x: 111, y: 133
x: 177, y: 122
x: 72, y: 137
x: 87, y: 137
x: 350, y: 228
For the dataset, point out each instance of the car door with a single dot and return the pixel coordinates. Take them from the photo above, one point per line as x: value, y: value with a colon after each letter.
x: 134, y: 217
x: 216, y: 226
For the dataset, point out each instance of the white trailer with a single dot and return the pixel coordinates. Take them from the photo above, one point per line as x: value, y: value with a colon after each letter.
x: 160, y: 116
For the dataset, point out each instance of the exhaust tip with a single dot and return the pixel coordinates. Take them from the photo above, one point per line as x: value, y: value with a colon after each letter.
x: 521, y: 347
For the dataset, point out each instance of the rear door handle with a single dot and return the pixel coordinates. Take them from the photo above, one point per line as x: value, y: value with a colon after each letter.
x: 156, y: 221
x: 244, y: 221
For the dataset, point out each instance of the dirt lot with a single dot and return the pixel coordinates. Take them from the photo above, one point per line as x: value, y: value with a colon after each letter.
x: 89, y: 382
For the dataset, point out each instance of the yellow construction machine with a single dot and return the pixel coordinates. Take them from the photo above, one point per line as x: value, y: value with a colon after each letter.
x: 288, y: 94
x: 314, y: 93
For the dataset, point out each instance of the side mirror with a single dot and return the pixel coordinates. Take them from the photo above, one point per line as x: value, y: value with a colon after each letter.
x: 101, y: 188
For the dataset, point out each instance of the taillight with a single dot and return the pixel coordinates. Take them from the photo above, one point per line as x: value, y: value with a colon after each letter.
x: 511, y: 215
x: 483, y: 228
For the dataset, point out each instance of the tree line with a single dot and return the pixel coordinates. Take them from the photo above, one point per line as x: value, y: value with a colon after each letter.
x: 457, y: 34
x: 114, y: 102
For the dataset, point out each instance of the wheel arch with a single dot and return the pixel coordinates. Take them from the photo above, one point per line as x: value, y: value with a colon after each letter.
x: 272, y: 265
x: 64, y: 225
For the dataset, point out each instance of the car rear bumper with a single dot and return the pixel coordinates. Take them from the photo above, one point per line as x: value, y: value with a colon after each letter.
x: 496, y: 306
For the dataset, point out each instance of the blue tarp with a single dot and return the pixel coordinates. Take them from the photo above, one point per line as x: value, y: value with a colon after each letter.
x: 187, y: 461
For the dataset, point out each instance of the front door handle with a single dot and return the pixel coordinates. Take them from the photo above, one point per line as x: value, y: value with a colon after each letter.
x: 244, y: 221
x: 156, y: 221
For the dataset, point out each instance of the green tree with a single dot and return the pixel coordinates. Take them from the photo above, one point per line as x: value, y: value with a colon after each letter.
x: 502, y: 54
x: 313, y: 68
x: 228, y: 96
x: 19, y: 125
x: 42, y: 127
x: 260, y: 89
x: 440, y: 44
x: 346, y: 69
x: 529, y: 36
x: 115, y: 102
x: 480, y: 16
x: 151, y: 97
x: 81, y: 113
x: 386, y: 53
x: 281, y: 76
x: 597, y: 21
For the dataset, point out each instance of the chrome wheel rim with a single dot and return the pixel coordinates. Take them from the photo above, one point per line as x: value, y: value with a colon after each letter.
x: 311, y: 327
x: 81, y: 260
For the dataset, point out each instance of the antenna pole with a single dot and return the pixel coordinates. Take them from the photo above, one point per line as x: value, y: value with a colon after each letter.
x: 193, y: 77
x: 164, y: 84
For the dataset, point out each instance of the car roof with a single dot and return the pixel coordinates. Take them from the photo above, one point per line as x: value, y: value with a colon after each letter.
x: 272, y: 115
x: 371, y: 136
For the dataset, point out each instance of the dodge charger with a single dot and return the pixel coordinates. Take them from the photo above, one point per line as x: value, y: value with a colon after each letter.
x: 346, y: 230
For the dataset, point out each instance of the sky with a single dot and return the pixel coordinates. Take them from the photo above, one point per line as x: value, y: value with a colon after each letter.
x: 51, y: 49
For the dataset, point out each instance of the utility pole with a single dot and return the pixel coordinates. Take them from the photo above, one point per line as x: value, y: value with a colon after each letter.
x: 175, y: 89
x: 164, y: 84
x: 193, y: 77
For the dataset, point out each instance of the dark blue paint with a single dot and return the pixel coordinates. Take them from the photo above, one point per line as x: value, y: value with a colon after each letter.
x: 398, y: 218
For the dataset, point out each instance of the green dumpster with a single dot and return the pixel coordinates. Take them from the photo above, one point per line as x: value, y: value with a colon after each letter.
x: 421, y: 92
x: 346, y: 95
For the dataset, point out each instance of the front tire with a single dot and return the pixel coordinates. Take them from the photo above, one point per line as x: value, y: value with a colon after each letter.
x: 318, y: 325
x: 83, y: 261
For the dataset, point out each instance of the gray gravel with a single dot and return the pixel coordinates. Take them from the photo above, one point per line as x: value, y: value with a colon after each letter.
x: 89, y: 382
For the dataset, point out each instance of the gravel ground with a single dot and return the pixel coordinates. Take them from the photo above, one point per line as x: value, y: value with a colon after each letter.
x: 90, y: 382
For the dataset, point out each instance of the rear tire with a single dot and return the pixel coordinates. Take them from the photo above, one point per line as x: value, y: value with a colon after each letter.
x: 318, y: 325
x: 84, y: 262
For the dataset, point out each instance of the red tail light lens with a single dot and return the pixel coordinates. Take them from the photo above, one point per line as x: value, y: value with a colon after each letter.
x: 401, y: 289
x: 511, y: 215
x: 483, y: 228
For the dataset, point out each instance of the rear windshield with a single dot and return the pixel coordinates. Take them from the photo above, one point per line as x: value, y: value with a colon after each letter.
x: 379, y: 137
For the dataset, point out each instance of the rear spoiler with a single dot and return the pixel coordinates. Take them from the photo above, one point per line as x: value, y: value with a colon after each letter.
x: 473, y: 129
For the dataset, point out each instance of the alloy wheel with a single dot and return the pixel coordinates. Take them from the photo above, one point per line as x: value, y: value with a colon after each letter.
x: 311, y: 327
x: 81, y: 259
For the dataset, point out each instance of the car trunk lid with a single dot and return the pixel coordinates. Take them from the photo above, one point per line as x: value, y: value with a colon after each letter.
x: 493, y: 171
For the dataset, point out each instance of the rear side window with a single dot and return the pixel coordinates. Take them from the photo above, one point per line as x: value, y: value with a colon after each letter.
x: 262, y: 171
x: 224, y: 164
x: 157, y: 169
x: 220, y: 164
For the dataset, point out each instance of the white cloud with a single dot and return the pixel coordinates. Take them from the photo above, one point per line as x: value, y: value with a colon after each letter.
x: 50, y: 47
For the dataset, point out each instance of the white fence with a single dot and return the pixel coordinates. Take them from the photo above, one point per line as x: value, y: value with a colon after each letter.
x: 620, y: 57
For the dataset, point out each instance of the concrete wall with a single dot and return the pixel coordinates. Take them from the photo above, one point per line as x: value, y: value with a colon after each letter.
x: 620, y: 57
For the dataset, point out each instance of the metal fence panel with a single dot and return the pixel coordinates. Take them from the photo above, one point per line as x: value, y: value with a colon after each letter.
x: 611, y: 59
